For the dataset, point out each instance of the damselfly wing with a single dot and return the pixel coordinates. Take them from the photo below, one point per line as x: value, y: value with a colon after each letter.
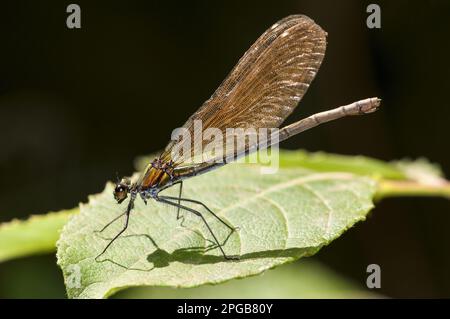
x: 262, y: 89
x: 260, y: 92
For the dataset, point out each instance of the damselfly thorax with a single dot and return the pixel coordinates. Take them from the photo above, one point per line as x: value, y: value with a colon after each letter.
x: 157, y: 175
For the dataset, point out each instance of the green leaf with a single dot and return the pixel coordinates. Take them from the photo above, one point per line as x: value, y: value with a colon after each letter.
x: 326, y: 162
x: 422, y: 171
x: 419, y: 178
x: 281, y: 217
x: 37, y: 235
x: 422, y: 179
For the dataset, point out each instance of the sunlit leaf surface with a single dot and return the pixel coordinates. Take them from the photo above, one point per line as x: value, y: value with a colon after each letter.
x: 281, y: 217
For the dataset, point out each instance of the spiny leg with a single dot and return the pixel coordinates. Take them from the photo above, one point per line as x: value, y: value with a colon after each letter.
x: 127, y: 213
x: 111, y: 222
x: 232, y: 229
x: 167, y: 201
x: 179, y: 198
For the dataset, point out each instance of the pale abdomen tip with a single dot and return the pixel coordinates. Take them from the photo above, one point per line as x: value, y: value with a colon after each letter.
x: 370, y: 105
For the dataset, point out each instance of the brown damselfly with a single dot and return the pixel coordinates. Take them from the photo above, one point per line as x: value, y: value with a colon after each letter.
x: 260, y: 92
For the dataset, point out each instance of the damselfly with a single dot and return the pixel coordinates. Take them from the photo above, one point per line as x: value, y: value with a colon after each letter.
x: 260, y: 92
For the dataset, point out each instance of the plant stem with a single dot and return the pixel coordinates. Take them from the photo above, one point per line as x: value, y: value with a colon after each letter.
x: 390, y: 188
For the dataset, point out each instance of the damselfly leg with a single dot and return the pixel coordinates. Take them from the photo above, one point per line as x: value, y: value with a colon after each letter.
x: 110, y: 223
x: 125, y: 226
x: 168, y: 200
x: 179, y: 199
x: 204, y: 206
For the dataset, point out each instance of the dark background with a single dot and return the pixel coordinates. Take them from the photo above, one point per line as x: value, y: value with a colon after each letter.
x: 77, y: 106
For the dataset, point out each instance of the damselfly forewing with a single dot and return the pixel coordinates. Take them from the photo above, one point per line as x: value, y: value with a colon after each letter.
x: 260, y: 92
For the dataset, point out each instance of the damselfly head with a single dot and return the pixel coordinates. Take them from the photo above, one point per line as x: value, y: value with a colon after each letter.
x: 121, y: 190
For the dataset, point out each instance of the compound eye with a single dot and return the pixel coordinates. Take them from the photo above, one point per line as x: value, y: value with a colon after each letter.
x: 120, y: 193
